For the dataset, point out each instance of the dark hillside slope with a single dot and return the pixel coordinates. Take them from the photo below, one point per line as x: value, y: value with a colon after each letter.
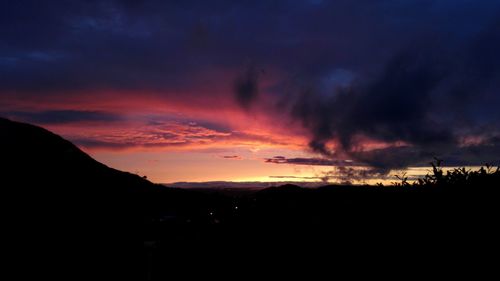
x: 33, y: 155
x: 45, y: 174
x: 67, y: 214
x: 50, y: 172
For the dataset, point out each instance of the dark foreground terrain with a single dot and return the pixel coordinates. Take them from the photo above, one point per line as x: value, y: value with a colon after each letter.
x: 66, y: 216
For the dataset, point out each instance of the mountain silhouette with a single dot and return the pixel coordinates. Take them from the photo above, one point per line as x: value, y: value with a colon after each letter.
x: 34, y: 156
x: 47, y: 175
x: 61, y: 201
x: 67, y: 215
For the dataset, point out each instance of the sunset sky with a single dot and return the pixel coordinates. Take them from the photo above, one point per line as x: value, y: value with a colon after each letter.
x: 258, y: 90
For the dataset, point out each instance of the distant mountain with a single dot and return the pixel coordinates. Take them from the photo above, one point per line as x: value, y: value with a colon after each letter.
x: 255, y: 185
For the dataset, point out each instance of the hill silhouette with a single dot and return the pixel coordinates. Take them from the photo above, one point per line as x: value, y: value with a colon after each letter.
x: 50, y: 176
x: 39, y: 156
x: 69, y: 216
x: 43, y: 168
x: 61, y: 201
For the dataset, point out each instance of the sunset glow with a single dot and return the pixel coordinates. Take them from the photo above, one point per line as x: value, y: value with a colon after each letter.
x: 259, y: 92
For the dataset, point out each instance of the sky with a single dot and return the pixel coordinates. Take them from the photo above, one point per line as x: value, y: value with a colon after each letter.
x: 339, y: 91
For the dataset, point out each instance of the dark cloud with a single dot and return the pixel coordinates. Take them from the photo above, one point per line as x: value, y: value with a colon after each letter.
x: 487, y: 152
x: 237, y: 157
x: 63, y: 116
x: 348, y: 175
x: 426, y: 97
x: 246, y: 87
x: 308, y: 161
x: 99, y: 144
x: 419, y: 75
x: 392, y: 108
x: 380, y: 162
x: 295, y: 177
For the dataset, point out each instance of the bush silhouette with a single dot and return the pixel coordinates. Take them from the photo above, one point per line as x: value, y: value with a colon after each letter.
x: 462, y: 177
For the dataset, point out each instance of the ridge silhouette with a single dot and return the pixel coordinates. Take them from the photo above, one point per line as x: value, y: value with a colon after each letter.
x: 70, y: 215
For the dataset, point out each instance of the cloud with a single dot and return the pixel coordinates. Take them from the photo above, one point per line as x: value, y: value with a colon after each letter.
x: 235, y: 157
x: 63, y: 116
x: 295, y: 177
x: 164, y: 134
x: 308, y: 161
x: 349, y: 175
x: 423, y: 97
x: 246, y: 87
x: 415, y: 76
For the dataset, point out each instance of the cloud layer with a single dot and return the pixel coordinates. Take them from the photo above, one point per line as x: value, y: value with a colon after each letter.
x: 387, y: 84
